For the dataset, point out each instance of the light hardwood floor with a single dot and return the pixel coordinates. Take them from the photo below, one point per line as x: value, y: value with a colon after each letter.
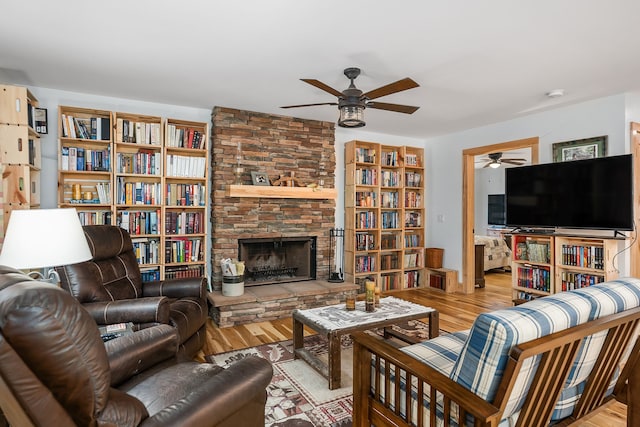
x: 457, y: 312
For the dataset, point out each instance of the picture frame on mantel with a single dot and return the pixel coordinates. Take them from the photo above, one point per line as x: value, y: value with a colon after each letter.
x: 580, y: 149
x: 259, y: 178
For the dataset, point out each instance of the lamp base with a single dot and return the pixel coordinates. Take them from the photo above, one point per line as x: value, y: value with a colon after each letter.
x: 52, y: 276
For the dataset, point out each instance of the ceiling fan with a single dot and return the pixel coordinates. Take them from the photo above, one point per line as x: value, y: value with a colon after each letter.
x: 494, y: 160
x: 352, y: 101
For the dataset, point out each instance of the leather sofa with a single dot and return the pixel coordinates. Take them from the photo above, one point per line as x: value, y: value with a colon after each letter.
x: 110, y: 287
x: 55, y: 370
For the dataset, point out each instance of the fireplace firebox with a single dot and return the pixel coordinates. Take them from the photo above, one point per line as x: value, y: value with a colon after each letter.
x: 278, y: 260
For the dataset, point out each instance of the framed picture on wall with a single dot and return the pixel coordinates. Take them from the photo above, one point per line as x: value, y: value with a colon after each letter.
x: 259, y: 178
x: 580, y: 149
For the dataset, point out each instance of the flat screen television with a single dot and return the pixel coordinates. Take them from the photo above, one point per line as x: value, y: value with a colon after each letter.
x: 591, y: 194
x: 496, y: 209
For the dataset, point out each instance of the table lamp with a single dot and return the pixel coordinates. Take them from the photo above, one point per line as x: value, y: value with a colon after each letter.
x: 39, y: 238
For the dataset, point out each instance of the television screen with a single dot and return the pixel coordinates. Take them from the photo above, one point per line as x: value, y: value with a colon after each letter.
x: 496, y: 209
x: 592, y: 194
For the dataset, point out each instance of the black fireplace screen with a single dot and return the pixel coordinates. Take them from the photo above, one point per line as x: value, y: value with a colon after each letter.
x: 278, y: 260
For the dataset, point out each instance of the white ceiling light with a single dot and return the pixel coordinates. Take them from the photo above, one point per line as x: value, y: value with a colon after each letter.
x: 556, y: 93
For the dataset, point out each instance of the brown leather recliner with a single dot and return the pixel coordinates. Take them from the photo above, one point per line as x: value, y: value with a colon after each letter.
x: 55, y: 370
x: 110, y: 287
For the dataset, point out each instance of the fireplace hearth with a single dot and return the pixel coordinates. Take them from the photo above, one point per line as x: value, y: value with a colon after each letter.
x: 278, y: 260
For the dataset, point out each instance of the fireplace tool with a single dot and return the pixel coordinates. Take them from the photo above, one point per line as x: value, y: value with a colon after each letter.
x: 336, y: 255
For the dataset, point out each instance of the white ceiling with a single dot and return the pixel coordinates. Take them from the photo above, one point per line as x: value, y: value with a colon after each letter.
x: 477, y: 62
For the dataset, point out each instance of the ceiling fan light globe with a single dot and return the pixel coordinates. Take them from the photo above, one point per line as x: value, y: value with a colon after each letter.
x: 351, y: 116
x: 494, y: 165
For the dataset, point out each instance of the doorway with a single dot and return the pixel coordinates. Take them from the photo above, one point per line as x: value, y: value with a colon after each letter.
x: 468, y: 200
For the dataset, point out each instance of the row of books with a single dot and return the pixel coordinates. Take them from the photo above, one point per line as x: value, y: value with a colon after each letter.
x: 185, y: 194
x: 365, y: 155
x: 183, y: 250
x: 146, y: 250
x: 85, y: 159
x: 95, y: 217
x: 184, y: 222
x: 365, y: 263
x: 411, y: 160
x: 412, y: 199
x: 388, y: 262
x: 534, y: 278
x: 412, y: 179
x: 365, y: 241
x: 366, y: 199
x: 389, y: 220
x: 412, y: 260
x: 138, y: 193
x: 366, y: 219
x: 138, y: 132
x: 437, y: 281
x: 96, y: 128
x: 143, y: 162
x: 150, y: 274
x: 571, y: 280
x: 390, y: 282
x: 186, y: 166
x: 185, y: 137
x: 412, y: 279
x: 583, y: 256
x: 389, y: 179
x: 139, y: 222
x: 104, y: 192
x: 389, y: 158
x: 366, y: 177
x: 533, y: 251
x: 412, y: 241
x: 184, y: 271
x: 389, y: 241
x: 412, y: 219
x: 389, y: 199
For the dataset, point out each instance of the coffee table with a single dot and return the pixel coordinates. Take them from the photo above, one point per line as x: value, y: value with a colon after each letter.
x: 334, y: 321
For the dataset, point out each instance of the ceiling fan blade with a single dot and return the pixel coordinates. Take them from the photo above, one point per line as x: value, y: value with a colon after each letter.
x: 487, y: 165
x: 398, y: 86
x: 514, y: 161
x: 407, y: 109
x: 310, y: 105
x: 320, y: 85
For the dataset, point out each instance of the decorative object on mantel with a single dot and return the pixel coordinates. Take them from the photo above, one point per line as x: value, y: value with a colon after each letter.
x: 259, y: 178
x: 288, y: 181
x: 580, y: 149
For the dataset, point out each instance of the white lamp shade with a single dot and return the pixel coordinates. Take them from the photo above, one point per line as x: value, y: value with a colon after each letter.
x: 38, y: 238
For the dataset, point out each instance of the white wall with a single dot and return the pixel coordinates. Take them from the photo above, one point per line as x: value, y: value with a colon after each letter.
x: 51, y: 99
x: 604, y: 116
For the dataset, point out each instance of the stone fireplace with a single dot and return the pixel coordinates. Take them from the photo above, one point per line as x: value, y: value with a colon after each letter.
x: 277, y: 146
x: 279, y: 260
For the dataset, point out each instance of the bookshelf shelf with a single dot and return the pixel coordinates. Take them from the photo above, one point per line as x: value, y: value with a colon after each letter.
x: 143, y: 198
x: 379, y: 211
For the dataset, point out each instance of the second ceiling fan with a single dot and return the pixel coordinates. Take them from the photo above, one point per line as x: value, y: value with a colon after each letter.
x: 494, y: 160
x: 352, y: 101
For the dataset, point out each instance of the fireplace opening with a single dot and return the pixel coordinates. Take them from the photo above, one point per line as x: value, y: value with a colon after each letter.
x: 278, y: 260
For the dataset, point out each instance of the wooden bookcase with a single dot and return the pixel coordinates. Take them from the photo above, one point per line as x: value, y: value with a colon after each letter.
x: 20, y: 154
x: 384, y: 208
x: 152, y: 181
x: 545, y: 264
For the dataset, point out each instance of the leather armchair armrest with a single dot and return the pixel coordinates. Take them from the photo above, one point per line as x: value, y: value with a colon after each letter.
x: 134, y: 353
x: 215, y: 400
x: 139, y: 310
x: 195, y: 287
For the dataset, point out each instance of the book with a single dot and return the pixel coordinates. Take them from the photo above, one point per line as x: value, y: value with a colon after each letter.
x: 73, y: 158
x: 81, y: 165
x: 64, y: 159
x: 104, y: 129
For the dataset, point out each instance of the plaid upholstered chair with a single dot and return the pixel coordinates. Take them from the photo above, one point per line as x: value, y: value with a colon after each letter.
x: 111, y: 288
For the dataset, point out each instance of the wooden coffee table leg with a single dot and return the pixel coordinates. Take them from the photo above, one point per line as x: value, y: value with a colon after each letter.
x: 335, y: 368
x: 434, y: 324
x: 298, y: 336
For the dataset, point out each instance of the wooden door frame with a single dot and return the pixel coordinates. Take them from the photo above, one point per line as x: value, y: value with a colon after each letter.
x: 468, y: 200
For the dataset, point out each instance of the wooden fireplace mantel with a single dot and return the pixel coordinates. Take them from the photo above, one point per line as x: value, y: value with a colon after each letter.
x: 270, y: 192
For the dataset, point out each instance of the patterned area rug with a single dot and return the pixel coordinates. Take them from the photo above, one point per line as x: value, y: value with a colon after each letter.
x: 298, y: 396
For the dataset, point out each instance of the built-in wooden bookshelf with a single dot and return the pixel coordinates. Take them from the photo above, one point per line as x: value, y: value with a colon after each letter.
x: 384, y: 208
x: 151, y: 180
x: 544, y: 264
x: 20, y: 155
